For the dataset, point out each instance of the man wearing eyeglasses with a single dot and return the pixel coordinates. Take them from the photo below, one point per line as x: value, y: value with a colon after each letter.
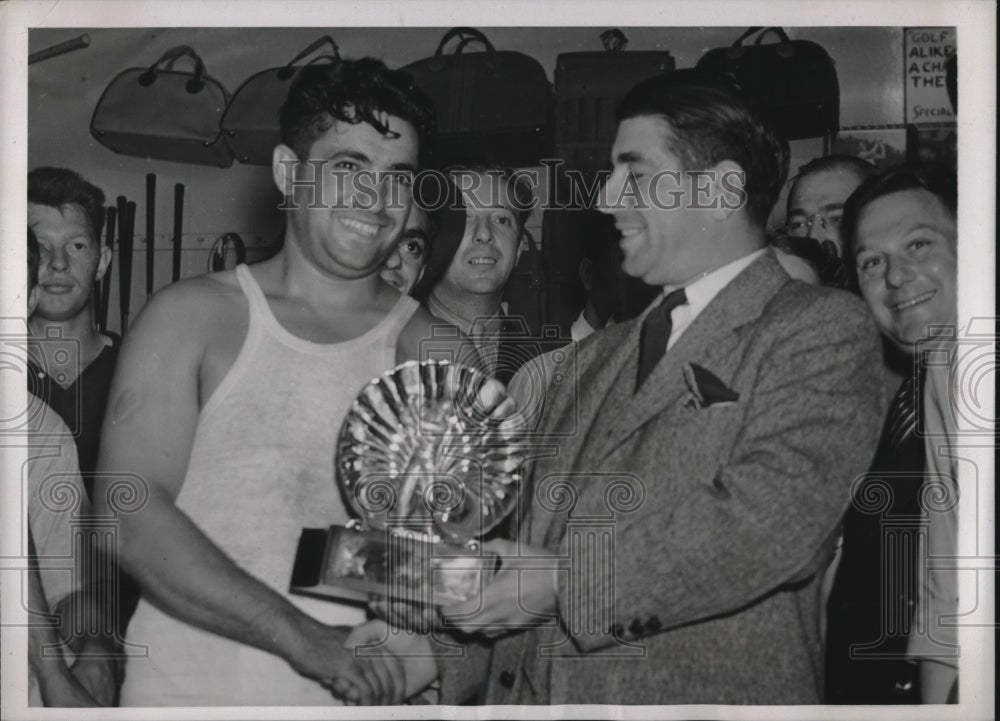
x: 817, y: 196
x: 815, y: 206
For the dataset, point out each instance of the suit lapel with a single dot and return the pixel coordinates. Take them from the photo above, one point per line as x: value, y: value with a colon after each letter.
x: 710, y: 341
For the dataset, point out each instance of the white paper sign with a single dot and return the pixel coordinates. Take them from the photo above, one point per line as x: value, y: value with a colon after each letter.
x: 926, y: 50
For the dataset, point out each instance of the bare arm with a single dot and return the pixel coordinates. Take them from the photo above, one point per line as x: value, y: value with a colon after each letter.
x: 148, y: 434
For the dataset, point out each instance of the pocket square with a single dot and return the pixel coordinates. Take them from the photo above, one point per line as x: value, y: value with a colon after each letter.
x: 706, y: 388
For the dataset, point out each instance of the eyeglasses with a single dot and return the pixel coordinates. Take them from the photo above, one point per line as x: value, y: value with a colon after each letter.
x: 801, y: 226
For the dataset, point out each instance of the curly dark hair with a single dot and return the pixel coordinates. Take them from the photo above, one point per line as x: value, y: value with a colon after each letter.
x: 352, y: 91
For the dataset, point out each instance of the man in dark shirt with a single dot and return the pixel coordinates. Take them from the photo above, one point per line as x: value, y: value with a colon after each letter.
x: 73, y: 363
x: 900, y: 237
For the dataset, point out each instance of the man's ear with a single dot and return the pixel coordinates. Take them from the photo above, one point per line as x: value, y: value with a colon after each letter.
x: 283, y: 162
x: 728, y: 189
x: 103, y: 261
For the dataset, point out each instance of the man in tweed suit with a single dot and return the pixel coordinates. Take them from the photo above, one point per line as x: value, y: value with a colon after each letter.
x: 683, y: 523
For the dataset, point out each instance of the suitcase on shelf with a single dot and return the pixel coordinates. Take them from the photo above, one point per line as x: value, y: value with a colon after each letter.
x: 158, y: 112
x: 251, y: 122
x: 795, y: 81
x: 589, y: 87
x: 492, y: 106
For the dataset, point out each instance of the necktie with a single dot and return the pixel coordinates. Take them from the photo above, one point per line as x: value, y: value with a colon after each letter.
x: 902, y: 420
x: 655, y: 334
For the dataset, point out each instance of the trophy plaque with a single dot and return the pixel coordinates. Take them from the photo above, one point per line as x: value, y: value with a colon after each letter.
x: 427, y: 474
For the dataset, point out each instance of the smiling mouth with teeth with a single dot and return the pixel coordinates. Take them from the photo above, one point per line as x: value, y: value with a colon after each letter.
x: 906, y: 304
x: 369, y: 229
x: 483, y: 261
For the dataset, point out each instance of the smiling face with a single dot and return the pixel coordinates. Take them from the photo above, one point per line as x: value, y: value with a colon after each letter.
x: 487, y: 254
x: 907, y: 264
x: 665, y: 240
x: 405, y: 264
x: 364, y: 203
x: 70, y: 260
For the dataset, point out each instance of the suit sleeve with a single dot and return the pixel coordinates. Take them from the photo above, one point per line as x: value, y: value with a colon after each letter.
x: 710, y: 544
x: 938, y: 588
x: 464, y: 668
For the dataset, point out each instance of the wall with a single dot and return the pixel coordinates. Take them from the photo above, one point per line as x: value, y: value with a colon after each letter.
x: 63, y: 92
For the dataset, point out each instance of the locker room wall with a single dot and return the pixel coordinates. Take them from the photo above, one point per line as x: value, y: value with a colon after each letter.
x: 63, y: 91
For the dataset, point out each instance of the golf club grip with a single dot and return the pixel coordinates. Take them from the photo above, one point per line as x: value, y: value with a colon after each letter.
x: 102, y: 311
x: 125, y: 271
x: 122, y: 203
x: 178, y: 229
x: 150, y: 229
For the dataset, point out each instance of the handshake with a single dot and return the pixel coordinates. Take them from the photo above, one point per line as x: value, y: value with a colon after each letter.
x: 382, y: 665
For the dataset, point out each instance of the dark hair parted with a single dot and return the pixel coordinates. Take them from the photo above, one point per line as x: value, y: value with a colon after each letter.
x: 351, y: 91
x: 521, y: 199
x: 938, y: 180
x: 712, y: 120
x: 56, y: 187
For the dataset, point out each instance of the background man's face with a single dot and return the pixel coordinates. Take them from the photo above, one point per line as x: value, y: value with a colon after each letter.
x: 661, y: 233
x: 358, y: 227
x: 70, y: 260
x: 488, y: 251
x: 907, y: 264
x: 821, y: 194
x: 405, y: 264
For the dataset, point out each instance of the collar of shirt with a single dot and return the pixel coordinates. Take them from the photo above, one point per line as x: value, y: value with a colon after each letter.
x: 580, y: 328
x: 483, y: 325
x: 700, y: 293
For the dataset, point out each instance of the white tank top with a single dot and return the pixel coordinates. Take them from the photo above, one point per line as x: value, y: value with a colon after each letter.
x: 261, y: 470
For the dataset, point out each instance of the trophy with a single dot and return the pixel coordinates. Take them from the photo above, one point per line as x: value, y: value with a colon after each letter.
x: 427, y: 473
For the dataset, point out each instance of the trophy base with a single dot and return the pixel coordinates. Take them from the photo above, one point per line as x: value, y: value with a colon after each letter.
x: 349, y: 564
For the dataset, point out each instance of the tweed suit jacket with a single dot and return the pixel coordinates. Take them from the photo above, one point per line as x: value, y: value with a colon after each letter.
x: 693, y: 533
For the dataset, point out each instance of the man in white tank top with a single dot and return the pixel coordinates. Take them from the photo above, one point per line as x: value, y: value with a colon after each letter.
x: 230, y: 390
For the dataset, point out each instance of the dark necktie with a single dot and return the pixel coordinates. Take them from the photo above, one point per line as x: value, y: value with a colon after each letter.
x: 655, y: 334
x: 902, y: 420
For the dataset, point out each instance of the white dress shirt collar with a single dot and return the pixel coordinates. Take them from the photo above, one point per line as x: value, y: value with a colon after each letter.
x: 700, y: 293
x: 580, y: 328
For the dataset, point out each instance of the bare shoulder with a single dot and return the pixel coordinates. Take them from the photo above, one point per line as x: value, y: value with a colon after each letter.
x: 190, y: 310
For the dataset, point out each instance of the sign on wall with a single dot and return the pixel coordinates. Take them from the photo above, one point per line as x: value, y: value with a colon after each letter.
x: 926, y: 50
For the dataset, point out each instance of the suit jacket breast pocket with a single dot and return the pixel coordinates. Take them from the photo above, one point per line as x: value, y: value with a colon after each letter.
x: 702, y: 439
